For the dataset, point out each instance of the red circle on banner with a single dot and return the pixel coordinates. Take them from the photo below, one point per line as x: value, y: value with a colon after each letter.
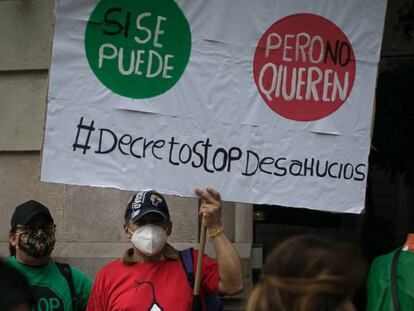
x: 304, y: 67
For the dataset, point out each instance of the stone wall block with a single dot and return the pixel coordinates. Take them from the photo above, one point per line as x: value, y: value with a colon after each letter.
x: 184, y: 215
x: 94, y: 214
x: 23, y: 105
x: 26, y: 29
x: 20, y: 181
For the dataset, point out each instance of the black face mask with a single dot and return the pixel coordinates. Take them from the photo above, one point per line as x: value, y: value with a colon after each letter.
x: 38, y: 243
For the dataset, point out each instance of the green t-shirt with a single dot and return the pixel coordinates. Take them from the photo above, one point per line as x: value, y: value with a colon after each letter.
x: 51, y: 287
x: 379, y: 283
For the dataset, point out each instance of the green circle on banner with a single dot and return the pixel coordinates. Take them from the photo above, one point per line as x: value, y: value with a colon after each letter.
x: 138, y: 48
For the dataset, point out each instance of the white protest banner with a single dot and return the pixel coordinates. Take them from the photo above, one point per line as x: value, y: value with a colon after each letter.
x: 269, y: 101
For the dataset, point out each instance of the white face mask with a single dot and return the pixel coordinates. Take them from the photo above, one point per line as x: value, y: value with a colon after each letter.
x: 149, y: 239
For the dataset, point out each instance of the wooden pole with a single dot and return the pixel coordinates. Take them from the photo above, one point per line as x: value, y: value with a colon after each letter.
x: 201, y: 246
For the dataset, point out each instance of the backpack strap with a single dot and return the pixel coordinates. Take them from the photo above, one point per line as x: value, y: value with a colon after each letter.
x: 207, y: 301
x: 66, y: 271
x: 394, y: 289
x: 186, y: 257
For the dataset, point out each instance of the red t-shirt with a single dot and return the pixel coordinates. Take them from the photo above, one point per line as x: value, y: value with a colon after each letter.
x: 150, y: 286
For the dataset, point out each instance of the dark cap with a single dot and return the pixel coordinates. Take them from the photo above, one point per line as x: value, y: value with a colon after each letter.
x: 26, y: 211
x: 146, y: 202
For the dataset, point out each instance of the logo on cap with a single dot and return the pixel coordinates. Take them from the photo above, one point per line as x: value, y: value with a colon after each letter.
x: 155, y: 199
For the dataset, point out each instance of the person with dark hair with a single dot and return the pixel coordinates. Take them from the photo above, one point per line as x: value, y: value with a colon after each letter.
x: 151, y: 276
x: 15, y: 293
x: 56, y: 286
x: 307, y: 273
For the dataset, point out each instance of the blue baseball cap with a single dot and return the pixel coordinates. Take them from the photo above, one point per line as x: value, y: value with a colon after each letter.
x: 145, y: 202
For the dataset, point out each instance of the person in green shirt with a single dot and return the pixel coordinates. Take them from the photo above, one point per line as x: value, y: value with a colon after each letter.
x: 56, y: 286
x: 379, y: 282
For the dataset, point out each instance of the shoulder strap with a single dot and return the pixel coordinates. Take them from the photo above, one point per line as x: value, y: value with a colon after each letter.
x: 66, y: 271
x: 394, y: 289
x: 210, y: 302
x: 186, y: 257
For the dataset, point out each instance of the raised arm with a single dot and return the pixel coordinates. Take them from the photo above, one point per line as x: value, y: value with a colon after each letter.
x: 230, y: 271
